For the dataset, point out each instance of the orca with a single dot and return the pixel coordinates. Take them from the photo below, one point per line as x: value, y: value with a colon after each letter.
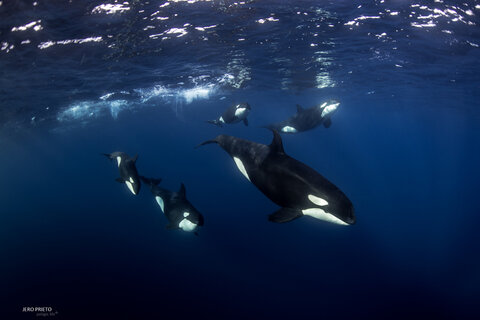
x: 307, y: 119
x: 236, y: 113
x: 127, y: 169
x: 180, y: 213
x: 298, y: 189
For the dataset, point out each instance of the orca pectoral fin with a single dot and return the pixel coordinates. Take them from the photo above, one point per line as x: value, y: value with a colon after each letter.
x: 170, y: 227
x: 207, y: 142
x: 245, y: 121
x: 327, y: 123
x: 120, y: 180
x: 284, y: 215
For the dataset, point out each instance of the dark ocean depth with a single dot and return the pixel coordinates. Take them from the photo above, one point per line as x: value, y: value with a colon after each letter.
x: 83, y: 78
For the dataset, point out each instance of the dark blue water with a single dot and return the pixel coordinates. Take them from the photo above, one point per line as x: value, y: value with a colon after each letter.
x: 80, y: 79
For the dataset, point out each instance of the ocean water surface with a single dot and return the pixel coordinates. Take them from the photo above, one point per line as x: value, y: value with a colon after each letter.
x: 82, y: 78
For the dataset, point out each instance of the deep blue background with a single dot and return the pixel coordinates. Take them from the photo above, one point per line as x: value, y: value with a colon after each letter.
x: 404, y: 146
x: 74, y: 239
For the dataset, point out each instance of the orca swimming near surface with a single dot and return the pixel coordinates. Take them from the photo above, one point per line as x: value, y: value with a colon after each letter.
x: 127, y: 169
x: 236, y: 113
x: 297, y: 188
x: 179, y: 211
x: 307, y: 119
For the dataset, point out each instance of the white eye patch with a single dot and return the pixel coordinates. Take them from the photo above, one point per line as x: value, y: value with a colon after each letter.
x: 317, y: 200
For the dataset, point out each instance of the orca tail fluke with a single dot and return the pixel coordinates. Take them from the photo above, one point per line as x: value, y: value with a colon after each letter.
x: 108, y: 155
x: 151, y: 181
x: 270, y: 127
x: 215, y: 122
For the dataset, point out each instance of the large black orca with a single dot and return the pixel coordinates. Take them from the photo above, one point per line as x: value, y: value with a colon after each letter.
x: 294, y: 186
x: 236, y: 113
x: 127, y: 169
x: 307, y: 119
x: 179, y: 211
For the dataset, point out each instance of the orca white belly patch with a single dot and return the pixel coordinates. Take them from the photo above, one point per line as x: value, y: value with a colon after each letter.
x: 241, y: 167
x: 317, y: 200
x: 221, y: 120
x: 239, y: 111
x: 322, y: 215
x: 119, y: 160
x: 289, y: 129
x: 130, y: 186
x: 160, y: 203
x: 187, y: 225
x: 329, y: 109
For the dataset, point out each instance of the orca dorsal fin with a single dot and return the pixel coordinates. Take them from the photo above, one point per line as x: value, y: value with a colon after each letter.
x: 299, y: 108
x: 134, y: 159
x: 182, y: 191
x: 277, y: 144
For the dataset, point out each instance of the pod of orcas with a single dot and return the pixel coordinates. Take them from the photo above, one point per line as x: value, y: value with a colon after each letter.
x: 298, y: 189
x: 302, y: 120
x: 180, y: 213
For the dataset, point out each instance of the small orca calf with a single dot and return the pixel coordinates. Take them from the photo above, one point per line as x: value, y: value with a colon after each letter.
x: 307, y: 119
x: 179, y: 211
x: 297, y: 188
x: 127, y: 169
x: 236, y: 113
